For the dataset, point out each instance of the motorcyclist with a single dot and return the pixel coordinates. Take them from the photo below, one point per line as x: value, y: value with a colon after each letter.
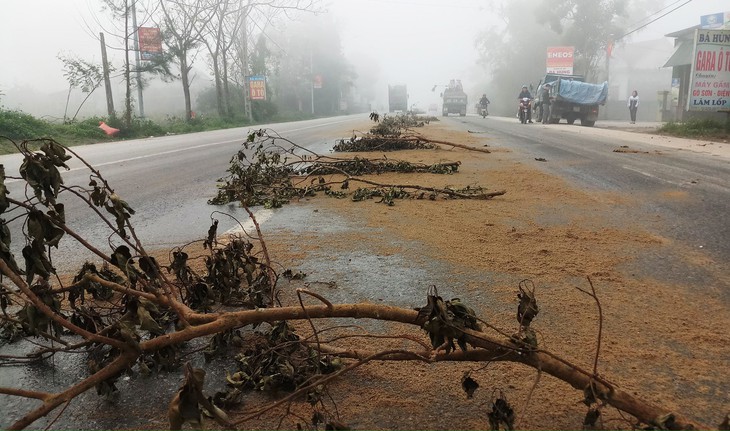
x: 526, y: 93
x: 483, y: 102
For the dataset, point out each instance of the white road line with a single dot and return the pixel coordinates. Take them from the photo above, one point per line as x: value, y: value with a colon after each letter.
x: 647, y: 174
x: 263, y: 215
x: 212, y: 144
x: 179, y: 150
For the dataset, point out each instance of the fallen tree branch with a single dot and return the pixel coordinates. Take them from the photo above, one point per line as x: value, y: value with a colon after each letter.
x: 449, y: 192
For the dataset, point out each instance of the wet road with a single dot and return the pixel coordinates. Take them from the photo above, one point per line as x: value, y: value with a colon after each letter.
x: 167, y: 181
x: 683, y: 195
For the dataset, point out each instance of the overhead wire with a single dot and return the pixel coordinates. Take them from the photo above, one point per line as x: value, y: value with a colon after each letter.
x: 651, y: 15
x: 653, y: 20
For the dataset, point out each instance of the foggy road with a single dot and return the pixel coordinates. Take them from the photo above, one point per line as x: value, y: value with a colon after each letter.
x: 167, y: 181
x: 683, y: 195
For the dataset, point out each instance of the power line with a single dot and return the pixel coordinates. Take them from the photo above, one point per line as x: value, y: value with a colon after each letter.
x: 447, y: 5
x: 655, y: 19
x: 649, y: 17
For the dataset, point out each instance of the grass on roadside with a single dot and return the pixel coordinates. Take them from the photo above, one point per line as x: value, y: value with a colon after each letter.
x: 19, y: 126
x: 705, y: 129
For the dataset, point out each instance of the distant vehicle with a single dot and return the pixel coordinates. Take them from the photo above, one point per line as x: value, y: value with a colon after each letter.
x: 571, y: 98
x: 397, y: 98
x: 454, y: 99
x: 433, y: 108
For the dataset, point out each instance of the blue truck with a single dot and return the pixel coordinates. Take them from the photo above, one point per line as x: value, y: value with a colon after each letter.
x: 571, y: 99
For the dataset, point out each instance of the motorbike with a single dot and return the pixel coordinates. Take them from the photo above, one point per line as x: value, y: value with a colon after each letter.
x: 483, y: 110
x: 524, y: 112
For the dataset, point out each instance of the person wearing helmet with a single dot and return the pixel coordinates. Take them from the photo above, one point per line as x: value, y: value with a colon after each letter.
x: 483, y: 102
x: 526, y: 93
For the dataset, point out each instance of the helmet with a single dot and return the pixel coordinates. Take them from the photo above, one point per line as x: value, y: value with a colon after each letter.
x: 524, y: 86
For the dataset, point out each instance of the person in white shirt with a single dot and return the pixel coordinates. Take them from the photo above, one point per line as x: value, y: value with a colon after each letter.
x: 633, y: 105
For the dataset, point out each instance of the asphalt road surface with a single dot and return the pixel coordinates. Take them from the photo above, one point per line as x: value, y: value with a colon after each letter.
x: 166, y: 180
x: 685, y: 195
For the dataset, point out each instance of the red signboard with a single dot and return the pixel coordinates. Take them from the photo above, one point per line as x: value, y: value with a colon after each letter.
x: 257, y: 87
x: 317, y: 81
x: 560, y: 59
x: 150, y: 42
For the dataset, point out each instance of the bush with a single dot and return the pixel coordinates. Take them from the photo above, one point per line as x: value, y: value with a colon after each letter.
x: 18, y: 126
x: 698, y: 129
x: 85, y: 129
x: 263, y: 110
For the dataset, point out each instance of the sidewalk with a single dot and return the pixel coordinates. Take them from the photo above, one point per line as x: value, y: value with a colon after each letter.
x: 640, y: 133
x: 643, y: 132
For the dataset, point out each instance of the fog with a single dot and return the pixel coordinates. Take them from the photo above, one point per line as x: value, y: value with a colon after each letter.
x: 419, y: 43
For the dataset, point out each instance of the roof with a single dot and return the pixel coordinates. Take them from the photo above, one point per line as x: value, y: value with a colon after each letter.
x: 682, y: 54
x: 686, y: 32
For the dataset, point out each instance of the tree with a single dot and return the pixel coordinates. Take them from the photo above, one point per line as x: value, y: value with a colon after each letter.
x: 588, y: 25
x: 308, y: 49
x: 184, y: 22
x: 130, y: 313
x: 514, y: 52
x: 123, y: 12
x: 83, y: 75
x: 219, y: 37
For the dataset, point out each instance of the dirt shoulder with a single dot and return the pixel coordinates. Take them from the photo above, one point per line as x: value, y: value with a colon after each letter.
x: 645, y: 134
x: 667, y: 343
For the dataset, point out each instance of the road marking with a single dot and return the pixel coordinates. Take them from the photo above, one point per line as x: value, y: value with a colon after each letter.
x: 212, y: 144
x: 647, y: 174
x: 163, y: 153
x: 262, y: 216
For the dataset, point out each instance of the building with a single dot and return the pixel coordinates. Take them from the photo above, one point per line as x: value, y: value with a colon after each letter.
x: 638, y: 66
x: 680, y: 63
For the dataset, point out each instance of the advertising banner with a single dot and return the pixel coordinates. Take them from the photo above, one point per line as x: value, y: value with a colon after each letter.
x: 709, y: 88
x: 257, y: 87
x: 150, y: 42
x: 317, y: 81
x: 715, y: 21
x: 560, y: 59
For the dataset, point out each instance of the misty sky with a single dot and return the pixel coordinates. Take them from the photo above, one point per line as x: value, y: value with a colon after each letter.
x: 418, y: 42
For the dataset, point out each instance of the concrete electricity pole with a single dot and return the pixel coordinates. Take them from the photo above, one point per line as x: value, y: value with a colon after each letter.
x: 244, y: 67
x: 136, y: 56
x: 107, y: 82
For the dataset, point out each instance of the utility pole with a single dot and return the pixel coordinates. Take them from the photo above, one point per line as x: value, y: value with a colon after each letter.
x: 107, y: 82
x: 311, y: 78
x: 244, y: 66
x: 136, y: 56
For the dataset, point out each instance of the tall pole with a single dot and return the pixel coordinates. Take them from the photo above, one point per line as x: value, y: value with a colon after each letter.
x: 244, y: 66
x: 311, y: 79
x: 107, y: 82
x: 136, y: 56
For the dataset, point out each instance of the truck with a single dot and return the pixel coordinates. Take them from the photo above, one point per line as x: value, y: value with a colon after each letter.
x: 571, y: 98
x: 397, y: 98
x: 454, y: 99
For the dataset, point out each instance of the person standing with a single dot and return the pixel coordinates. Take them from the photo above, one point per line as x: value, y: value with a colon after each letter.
x: 545, y: 104
x: 633, y: 104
